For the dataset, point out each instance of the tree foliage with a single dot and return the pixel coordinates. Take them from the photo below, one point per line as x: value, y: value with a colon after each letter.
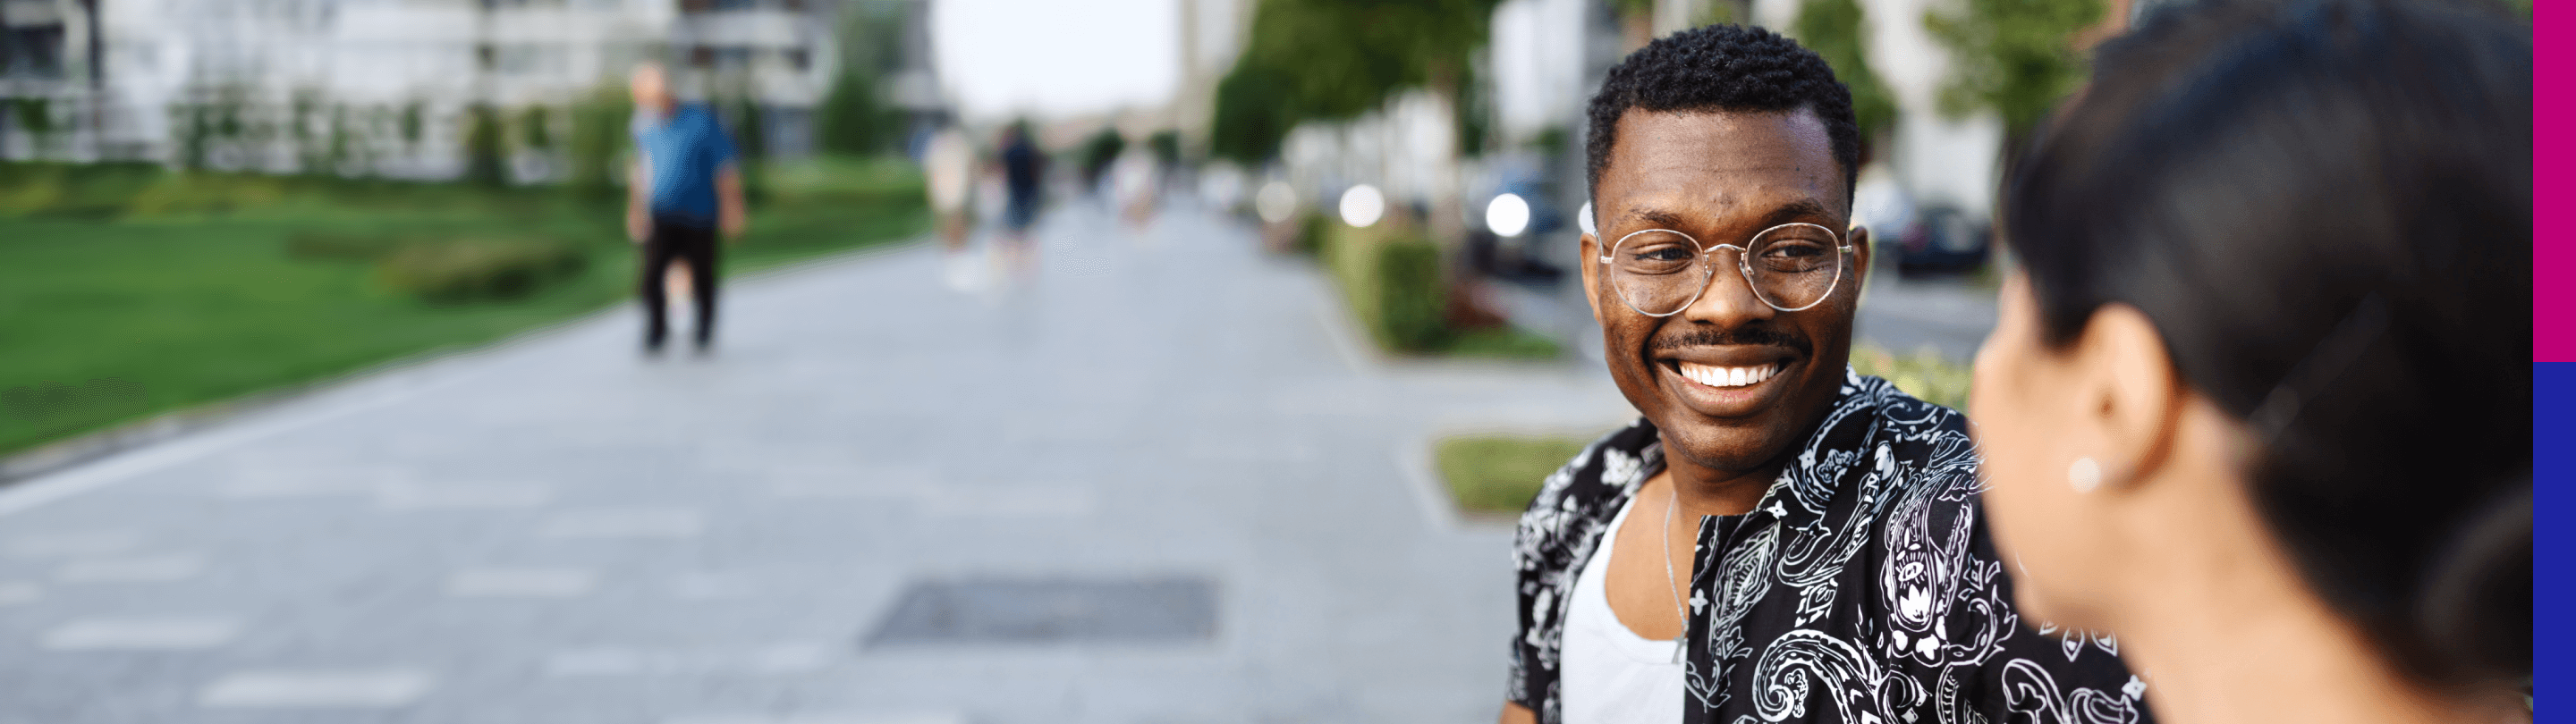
x: 1337, y: 59
x: 2014, y: 57
x: 599, y: 137
x: 855, y: 117
x: 1836, y: 30
x: 1098, y: 152
x: 486, y: 156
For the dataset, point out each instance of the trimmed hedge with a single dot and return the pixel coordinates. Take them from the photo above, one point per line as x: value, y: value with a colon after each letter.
x: 1410, y: 295
x: 462, y: 270
x: 1392, y: 282
x: 445, y: 269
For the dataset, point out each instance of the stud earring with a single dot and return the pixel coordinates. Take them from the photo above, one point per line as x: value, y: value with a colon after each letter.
x: 2085, y: 475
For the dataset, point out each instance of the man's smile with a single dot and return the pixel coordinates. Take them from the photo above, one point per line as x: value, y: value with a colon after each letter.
x: 1727, y: 382
x: 1714, y: 376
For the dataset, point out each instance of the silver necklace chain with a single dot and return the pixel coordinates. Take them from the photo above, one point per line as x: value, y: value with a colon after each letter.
x: 1670, y: 581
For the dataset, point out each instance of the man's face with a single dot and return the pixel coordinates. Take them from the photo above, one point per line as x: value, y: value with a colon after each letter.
x: 1723, y: 177
x: 650, y: 87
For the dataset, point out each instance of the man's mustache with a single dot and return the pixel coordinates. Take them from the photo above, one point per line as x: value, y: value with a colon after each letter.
x: 1748, y: 337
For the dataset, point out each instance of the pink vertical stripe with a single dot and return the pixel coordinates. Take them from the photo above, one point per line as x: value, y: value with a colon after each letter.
x: 2553, y: 243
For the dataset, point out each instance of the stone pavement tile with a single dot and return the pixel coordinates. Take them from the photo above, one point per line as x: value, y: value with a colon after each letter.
x: 160, y: 633
x: 364, y: 688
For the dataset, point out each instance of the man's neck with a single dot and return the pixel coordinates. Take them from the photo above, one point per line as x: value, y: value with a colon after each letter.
x: 1709, y: 491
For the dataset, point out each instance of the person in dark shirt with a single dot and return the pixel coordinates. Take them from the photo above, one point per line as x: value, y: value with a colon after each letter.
x: 1023, y: 177
x: 686, y: 188
x: 1778, y: 538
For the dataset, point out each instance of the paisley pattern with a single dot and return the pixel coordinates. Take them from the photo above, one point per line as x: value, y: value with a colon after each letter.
x: 1862, y: 588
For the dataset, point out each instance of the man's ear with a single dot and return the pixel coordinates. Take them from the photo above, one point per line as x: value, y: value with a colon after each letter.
x: 1858, y: 238
x: 2131, y: 393
x: 1591, y: 270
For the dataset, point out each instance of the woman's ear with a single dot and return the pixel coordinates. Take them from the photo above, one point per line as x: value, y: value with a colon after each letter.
x: 2131, y: 393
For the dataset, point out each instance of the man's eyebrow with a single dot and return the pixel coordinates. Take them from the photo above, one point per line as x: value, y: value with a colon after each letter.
x: 1806, y: 210
x: 1657, y: 218
x: 1802, y: 210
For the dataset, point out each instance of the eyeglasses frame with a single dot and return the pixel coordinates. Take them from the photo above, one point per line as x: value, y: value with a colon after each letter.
x: 1743, y: 267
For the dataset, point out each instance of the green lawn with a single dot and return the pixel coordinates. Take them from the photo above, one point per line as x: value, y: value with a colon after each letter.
x: 1498, y: 474
x: 173, y: 291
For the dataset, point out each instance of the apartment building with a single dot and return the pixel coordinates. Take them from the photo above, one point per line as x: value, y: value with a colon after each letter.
x: 116, y: 79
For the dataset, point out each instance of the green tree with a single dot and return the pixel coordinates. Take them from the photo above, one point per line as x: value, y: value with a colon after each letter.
x: 411, y: 125
x: 485, y: 155
x: 1253, y: 113
x: 195, y: 124
x: 599, y: 137
x: 1098, y: 152
x: 36, y: 117
x: 1166, y: 144
x: 537, y: 128
x: 307, y: 121
x: 751, y: 147
x: 2014, y: 57
x: 854, y: 116
x: 1837, y: 30
x: 1336, y: 59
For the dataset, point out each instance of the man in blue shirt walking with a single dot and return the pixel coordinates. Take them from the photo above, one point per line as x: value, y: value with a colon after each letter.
x: 685, y: 188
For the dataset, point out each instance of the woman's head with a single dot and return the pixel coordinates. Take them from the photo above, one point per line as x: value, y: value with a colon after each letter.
x: 2309, y: 222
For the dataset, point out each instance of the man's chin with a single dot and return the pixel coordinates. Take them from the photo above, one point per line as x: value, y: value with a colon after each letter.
x: 1730, y: 446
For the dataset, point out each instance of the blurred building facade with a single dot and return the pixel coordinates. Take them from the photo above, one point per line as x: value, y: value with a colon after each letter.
x: 1212, y: 35
x: 1543, y: 61
x: 115, y: 79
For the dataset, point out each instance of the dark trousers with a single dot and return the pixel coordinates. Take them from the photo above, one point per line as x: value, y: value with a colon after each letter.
x: 674, y: 240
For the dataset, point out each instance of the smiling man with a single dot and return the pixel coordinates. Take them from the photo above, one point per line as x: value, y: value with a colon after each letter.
x: 1778, y: 538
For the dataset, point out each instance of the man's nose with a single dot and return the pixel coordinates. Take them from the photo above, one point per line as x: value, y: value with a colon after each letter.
x: 1729, y: 301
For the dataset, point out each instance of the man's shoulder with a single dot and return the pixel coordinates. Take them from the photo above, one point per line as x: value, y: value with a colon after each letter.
x: 1883, y: 440
x: 1609, y: 465
x: 1586, y: 489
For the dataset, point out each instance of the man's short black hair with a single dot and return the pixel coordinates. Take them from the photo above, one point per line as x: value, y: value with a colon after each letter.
x: 1723, y: 68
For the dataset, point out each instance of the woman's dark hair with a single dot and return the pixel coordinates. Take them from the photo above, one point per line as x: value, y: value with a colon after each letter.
x: 2325, y: 207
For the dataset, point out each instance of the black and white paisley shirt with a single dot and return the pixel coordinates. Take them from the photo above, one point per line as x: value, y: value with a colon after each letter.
x: 1863, y: 588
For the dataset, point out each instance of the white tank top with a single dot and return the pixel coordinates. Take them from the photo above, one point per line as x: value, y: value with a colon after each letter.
x: 1611, y: 675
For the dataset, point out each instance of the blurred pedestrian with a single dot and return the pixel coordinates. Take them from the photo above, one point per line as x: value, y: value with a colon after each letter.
x: 1775, y: 524
x: 686, y: 189
x: 1135, y: 185
x: 1023, y: 178
x: 2259, y: 401
x: 948, y: 167
x: 948, y: 163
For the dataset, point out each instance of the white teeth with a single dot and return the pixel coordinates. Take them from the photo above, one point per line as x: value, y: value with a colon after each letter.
x: 1727, y: 376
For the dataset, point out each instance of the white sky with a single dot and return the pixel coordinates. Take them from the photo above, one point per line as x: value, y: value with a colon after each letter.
x: 1056, y: 57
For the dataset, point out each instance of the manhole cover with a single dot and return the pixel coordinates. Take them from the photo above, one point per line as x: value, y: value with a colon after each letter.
x: 1040, y: 611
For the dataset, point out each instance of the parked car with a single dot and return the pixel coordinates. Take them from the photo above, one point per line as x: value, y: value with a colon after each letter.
x: 1942, y: 240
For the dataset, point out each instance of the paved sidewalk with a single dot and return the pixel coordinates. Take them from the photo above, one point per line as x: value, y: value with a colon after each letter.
x: 559, y: 531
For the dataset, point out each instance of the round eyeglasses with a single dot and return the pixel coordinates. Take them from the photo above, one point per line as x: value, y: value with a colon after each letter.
x: 1660, y: 272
